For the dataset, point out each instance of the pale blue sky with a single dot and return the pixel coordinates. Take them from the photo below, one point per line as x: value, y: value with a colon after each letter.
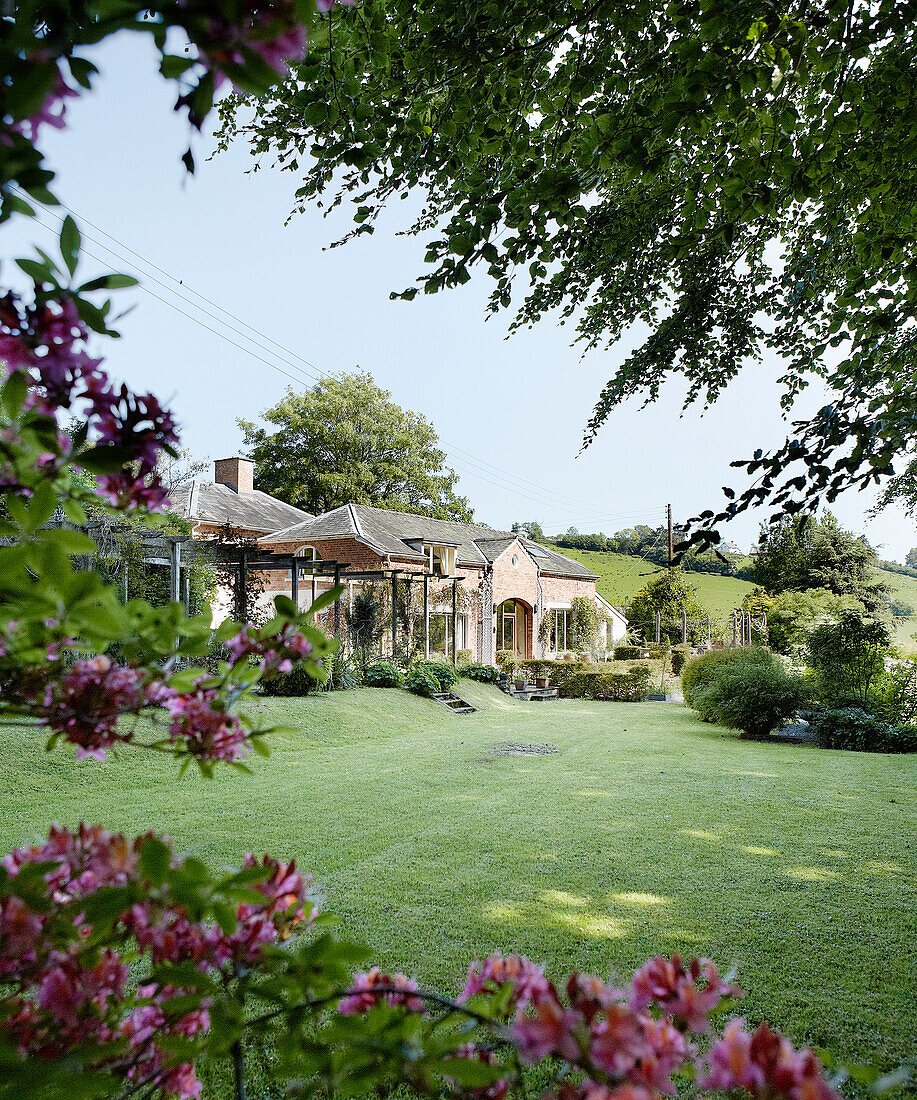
x: 510, y: 412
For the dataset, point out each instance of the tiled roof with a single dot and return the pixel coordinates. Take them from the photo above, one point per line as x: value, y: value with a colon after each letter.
x: 391, y: 533
x: 219, y: 504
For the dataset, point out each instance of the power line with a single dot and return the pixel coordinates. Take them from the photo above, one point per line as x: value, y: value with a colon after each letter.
x: 487, y: 470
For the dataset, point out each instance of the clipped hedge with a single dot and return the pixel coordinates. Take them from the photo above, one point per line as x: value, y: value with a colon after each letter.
x: 855, y: 729
x: 383, y: 674
x: 557, y: 672
x: 621, y: 687
x: 484, y: 674
x: 680, y: 657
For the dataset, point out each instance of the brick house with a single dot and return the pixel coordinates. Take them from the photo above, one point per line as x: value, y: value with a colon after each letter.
x: 509, y: 583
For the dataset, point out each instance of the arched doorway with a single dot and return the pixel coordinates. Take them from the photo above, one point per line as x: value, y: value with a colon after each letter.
x: 514, y: 628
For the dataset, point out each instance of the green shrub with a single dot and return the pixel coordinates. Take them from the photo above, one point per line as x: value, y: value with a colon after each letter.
x: 699, y: 672
x: 445, y: 674
x: 383, y: 674
x: 755, y: 697
x: 506, y: 659
x: 484, y: 674
x: 295, y: 683
x: 627, y: 652
x: 343, y: 673
x: 680, y: 657
x: 849, y: 660
x: 853, y: 728
x: 558, y: 672
x: 421, y: 681
x: 463, y: 657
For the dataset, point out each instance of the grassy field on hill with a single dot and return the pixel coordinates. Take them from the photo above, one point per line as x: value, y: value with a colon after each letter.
x: 645, y: 831
x: 621, y: 576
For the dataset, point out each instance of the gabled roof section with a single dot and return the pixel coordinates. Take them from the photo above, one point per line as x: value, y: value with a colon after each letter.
x: 549, y: 561
x: 208, y: 502
x: 403, y: 534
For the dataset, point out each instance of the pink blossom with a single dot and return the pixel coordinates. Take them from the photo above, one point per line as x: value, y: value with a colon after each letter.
x: 677, y: 992
x: 527, y: 978
x: 765, y: 1064
x: 617, y: 1040
x: 278, y: 652
x: 363, y: 995
x: 664, y: 1050
x: 86, y: 703
x: 552, y: 1029
x: 203, y: 728
x: 51, y: 113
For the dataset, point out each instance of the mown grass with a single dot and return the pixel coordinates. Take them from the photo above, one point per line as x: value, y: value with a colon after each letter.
x: 646, y: 832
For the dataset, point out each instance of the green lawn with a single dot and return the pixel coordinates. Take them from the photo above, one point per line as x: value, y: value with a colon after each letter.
x: 646, y: 832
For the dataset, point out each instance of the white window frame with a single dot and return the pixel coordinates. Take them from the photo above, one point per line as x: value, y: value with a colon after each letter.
x: 446, y: 556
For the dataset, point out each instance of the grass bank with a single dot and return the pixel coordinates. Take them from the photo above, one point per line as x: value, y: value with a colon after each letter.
x: 646, y: 831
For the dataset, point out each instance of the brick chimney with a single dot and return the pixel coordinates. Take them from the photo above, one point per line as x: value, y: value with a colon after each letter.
x: 237, y: 473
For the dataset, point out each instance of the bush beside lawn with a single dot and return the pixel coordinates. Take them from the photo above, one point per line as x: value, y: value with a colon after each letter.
x: 647, y: 831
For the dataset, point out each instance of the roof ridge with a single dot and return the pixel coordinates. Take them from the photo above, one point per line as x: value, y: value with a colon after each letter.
x: 355, y: 519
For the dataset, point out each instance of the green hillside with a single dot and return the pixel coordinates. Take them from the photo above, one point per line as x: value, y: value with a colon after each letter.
x: 621, y: 576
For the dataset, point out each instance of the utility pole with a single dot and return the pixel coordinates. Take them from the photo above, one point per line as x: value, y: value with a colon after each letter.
x: 668, y: 509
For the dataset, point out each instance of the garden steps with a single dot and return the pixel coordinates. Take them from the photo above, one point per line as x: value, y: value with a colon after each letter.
x: 454, y: 703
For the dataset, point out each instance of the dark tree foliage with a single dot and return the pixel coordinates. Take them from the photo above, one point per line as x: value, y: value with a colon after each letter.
x: 801, y: 553
x: 648, y: 162
x: 849, y: 659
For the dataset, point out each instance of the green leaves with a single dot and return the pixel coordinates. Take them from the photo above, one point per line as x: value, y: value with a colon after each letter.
x: 70, y: 243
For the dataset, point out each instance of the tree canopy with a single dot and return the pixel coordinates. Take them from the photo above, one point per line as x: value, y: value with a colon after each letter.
x: 801, y: 553
x: 671, y: 595
x: 739, y: 177
x: 346, y: 442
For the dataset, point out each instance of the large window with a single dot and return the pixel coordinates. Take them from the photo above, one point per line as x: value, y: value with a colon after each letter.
x: 561, y: 629
x: 441, y: 641
x: 440, y: 560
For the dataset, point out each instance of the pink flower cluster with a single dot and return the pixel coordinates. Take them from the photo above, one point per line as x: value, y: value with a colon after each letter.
x: 51, y: 113
x: 48, y: 343
x: 278, y: 653
x: 203, y: 728
x: 89, y: 699
x: 626, y: 1052
x: 270, y: 30
x: 87, y: 702
x: 765, y: 1064
x: 688, y: 995
x: 69, y: 994
x: 375, y: 988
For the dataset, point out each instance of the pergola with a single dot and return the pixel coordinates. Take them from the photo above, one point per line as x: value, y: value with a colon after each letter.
x: 177, y: 552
